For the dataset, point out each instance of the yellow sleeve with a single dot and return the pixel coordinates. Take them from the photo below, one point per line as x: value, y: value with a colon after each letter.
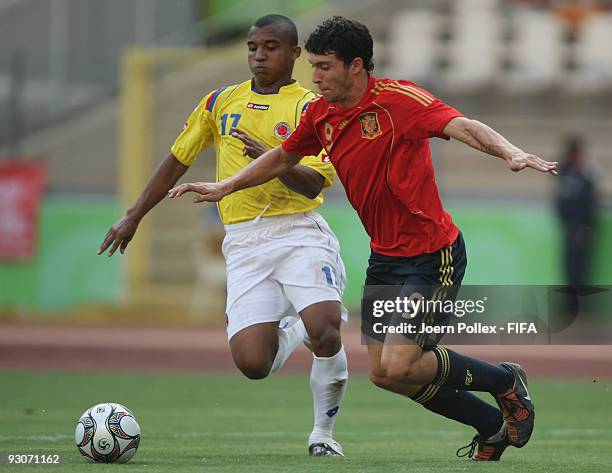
x: 197, y: 134
x: 322, y: 165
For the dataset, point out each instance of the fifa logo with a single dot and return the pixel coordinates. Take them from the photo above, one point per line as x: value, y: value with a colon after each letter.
x: 468, y: 378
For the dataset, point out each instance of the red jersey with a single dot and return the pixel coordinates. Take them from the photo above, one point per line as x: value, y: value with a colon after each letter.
x: 380, y: 149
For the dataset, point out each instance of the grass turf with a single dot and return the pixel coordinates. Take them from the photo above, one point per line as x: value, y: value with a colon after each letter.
x: 223, y: 423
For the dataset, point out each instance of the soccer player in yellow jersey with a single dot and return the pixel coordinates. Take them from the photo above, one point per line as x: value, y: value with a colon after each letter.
x: 282, y: 258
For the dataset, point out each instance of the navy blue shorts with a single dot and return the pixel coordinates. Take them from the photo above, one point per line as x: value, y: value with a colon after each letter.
x: 429, y: 277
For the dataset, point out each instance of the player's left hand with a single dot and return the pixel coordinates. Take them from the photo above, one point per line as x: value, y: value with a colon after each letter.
x: 208, y: 191
x: 252, y: 148
x: 522, y: 160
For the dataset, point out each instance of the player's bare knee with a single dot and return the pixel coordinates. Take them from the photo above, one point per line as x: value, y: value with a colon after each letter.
x: 403, y: 372
x: 326, y: 342
x: 380, y: 380
x: 254, y: 370
x: 253, y: 366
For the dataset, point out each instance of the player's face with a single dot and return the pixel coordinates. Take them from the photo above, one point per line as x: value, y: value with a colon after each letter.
x: 332, y: 76
x: 271, y: 57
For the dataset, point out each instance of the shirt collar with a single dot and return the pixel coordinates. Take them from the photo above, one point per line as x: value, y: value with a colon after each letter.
x: 285, y: 89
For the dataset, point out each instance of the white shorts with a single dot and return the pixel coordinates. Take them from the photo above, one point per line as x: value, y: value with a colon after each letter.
x: 278, y: 266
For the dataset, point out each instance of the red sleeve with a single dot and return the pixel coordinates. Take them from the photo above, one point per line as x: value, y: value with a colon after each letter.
x: 304, y: 140
x: 432, y: 120
x: 426, y: 115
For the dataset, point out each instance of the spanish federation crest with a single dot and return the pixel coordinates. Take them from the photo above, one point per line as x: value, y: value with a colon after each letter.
x: 370, y: 127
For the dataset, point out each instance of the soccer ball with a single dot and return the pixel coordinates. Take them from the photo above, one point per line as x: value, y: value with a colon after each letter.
x: 107, y: 433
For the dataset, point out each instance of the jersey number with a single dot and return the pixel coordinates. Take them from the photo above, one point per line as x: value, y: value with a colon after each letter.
x: 328, y: 131
x: 328, y: 275
x: 234, y: 116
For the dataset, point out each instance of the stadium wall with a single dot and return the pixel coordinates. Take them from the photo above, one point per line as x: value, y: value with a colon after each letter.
x: 507, y: 244
x: 65, y: 272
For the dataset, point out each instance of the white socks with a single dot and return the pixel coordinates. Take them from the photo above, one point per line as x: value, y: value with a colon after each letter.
x: 288, y: 340
x: 328, y: 380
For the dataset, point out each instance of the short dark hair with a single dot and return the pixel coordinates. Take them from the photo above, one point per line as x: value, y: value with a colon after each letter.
x: 345, y: 38
x: 286, y: 23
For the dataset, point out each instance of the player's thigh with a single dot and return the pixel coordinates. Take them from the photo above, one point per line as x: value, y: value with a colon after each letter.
x: 388, y: 329
x: 375, y: 348
x: 254, y: 347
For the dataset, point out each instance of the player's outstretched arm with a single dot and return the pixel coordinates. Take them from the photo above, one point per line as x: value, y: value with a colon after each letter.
x: 271, y: 164
x: 121, y: 233
x: 303, y: 180
x: 485, y: 139
x: 300, y: 179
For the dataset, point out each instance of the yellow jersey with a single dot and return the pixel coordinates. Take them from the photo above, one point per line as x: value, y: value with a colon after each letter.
x: 268, y: 118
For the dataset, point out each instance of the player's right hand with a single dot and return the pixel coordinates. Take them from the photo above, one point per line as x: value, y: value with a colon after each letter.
x: 208, y: 191
x: 119, y: 235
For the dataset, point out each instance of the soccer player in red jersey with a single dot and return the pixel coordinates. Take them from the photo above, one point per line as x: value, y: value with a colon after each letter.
x: 376, y: 133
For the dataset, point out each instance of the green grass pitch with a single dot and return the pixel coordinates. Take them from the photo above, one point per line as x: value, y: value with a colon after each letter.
x: 223, y: 423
